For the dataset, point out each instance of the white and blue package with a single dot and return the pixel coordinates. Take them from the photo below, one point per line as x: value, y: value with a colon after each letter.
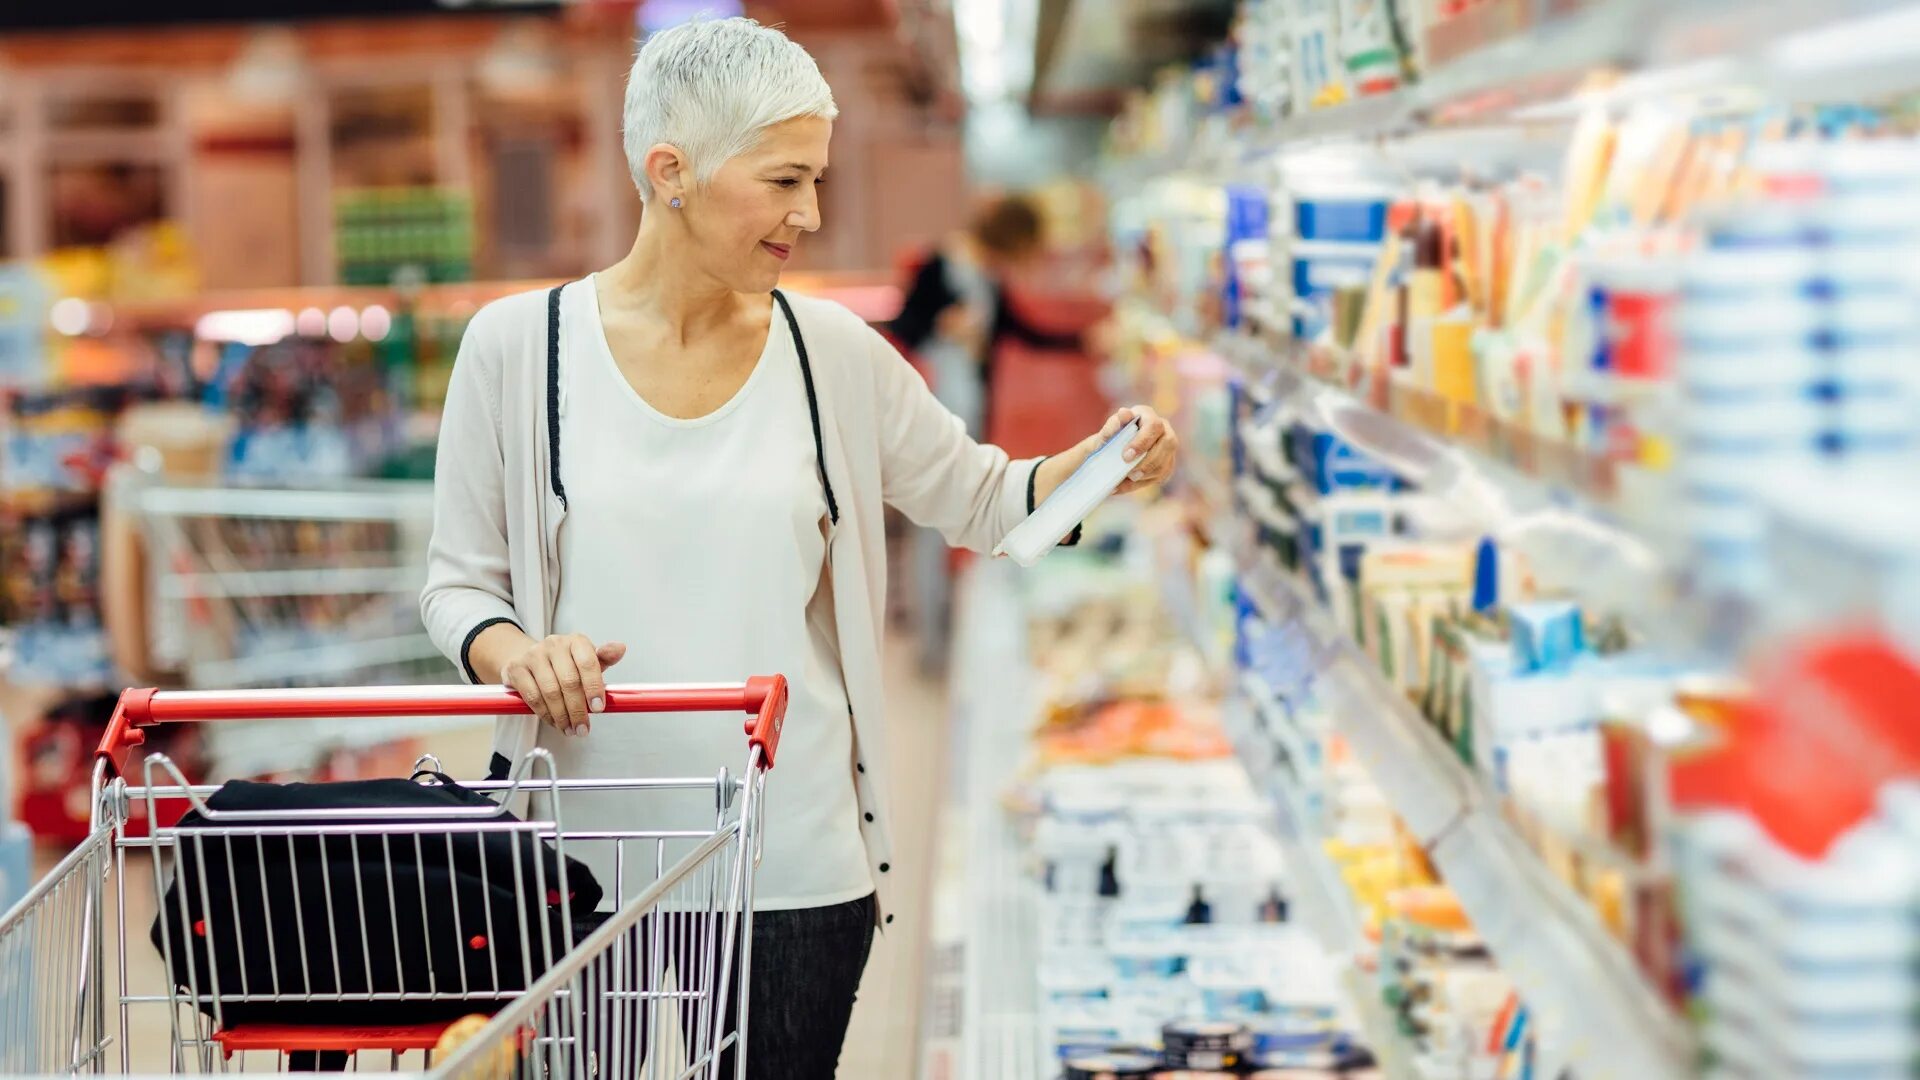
x: 1321, y: 269
x: 1246, y: 224
x: 1547, y: 635
x: 1330, y: 463
x: 1340, y: 218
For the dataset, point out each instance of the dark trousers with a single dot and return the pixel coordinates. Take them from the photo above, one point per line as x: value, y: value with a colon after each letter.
x: 807, y: 964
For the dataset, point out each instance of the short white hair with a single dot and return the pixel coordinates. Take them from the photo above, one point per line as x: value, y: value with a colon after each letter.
x: 710, y: 87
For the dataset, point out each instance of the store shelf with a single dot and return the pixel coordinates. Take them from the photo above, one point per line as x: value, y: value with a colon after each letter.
x: 1418, y: 424
x: 1600, y: 51
x: 1321, y: 900
x: 183, y: 312
x: 1583, y: 986
x: 1594, y: 528
x: 1544, y: 62
x: 1373, y: 116
x: 1794, y: 51
x: 1393, y: 1052
x: 872, y: 297
x: 1430, y: 788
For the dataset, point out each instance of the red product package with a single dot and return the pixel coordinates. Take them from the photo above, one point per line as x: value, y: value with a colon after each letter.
x: 1830, y: 722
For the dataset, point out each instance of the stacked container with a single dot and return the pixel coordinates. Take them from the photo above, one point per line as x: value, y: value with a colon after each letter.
x: 1799, y: 339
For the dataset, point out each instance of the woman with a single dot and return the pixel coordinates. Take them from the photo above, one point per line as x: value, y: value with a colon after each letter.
x: 673, y: 467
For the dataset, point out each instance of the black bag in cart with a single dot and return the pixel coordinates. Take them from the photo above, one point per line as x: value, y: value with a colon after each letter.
x: 268, y: 915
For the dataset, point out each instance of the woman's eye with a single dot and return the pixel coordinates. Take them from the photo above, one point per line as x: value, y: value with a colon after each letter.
x: 788, y: 181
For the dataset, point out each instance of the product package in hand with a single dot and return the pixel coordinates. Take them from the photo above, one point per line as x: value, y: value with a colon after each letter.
x: 1072, y: 501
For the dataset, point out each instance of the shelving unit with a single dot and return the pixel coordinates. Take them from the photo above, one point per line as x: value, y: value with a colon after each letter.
x: 1634, y: 565
x: 991, y: 905
x: 867, y: 294
x: 1322, y: 902
x: 1577, y: 977
x: 1793, y: 51
x: 1621, y: 538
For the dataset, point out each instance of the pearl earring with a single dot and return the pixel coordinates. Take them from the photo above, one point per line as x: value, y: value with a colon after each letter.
x: 675, y: 203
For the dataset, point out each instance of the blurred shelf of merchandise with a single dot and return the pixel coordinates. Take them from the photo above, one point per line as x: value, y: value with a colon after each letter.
x: 1544, y: 552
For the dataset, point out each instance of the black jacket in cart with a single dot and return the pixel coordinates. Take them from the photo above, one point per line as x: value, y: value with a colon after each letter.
x: 387, y: 915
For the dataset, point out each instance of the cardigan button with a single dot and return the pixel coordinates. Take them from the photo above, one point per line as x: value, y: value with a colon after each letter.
x: 861, y: 768
x: 884, y: 867
x: 869, y: 817
x: 889, y: 920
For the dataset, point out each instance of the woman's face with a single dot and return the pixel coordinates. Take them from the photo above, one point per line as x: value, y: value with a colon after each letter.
x: 748, y: 220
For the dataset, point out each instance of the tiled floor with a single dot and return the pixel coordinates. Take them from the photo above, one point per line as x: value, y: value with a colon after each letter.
x: 883, y: 1042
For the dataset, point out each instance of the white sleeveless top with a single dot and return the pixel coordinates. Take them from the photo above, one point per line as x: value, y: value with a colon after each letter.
x: 701, y: 545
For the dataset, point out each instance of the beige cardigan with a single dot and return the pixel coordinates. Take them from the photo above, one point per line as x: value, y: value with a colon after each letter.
x: 884, y: 440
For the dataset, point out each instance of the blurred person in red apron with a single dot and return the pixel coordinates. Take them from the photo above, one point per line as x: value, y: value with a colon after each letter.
x: 953, y: 318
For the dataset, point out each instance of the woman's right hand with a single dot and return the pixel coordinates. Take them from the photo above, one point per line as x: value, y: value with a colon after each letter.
x: 561, y: 678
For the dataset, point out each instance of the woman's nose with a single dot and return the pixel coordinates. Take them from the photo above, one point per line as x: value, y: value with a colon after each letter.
x: 806, y: 217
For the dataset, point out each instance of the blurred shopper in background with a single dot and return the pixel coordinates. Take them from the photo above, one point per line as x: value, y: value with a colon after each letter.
x: 956, y: 311
x: 674, y: 467
x: 953, y: 318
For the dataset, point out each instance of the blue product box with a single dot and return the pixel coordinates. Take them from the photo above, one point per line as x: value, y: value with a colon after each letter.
x: 1340, y: 219
x: 1336, y: 465
x: 1247, y: 213
x: 1246, y: 221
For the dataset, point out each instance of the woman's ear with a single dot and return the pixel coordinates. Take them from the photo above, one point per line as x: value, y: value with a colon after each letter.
x: 667, y: 171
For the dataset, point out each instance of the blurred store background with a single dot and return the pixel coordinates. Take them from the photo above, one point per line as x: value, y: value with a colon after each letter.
x: 1518, y: 680
x: 236, y: 259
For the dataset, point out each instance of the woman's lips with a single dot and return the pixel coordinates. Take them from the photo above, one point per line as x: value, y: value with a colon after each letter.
x: 780, y: 251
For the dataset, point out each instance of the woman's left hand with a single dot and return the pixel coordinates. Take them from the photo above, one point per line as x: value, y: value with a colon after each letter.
x: 1152, y: 452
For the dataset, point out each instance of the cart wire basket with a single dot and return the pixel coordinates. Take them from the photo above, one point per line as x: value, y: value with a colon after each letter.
x: 442, y: 939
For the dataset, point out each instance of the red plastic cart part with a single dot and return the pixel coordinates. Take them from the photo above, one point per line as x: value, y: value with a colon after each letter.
x: 287, y: 1038
x: 764, y: 697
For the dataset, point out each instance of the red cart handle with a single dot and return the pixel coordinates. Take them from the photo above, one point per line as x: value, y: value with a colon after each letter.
x: 764, y: 697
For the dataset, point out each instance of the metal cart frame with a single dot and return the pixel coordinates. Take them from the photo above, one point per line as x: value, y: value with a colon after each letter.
x: 681, y: 947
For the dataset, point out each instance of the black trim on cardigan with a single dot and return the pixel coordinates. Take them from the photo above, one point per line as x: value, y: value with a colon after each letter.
x: 1033, y: 479
x: 553, y: 393
x: 467, y: 645
x: 813, y: 406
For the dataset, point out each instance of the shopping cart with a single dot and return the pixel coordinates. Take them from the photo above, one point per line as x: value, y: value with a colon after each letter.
x: 659, y: 986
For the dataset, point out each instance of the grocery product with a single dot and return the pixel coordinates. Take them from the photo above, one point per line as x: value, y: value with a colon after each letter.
x: 1111, y: 1066
x: 1070, y: 503
x: 422, y: 231
x: 1204, y: 1044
